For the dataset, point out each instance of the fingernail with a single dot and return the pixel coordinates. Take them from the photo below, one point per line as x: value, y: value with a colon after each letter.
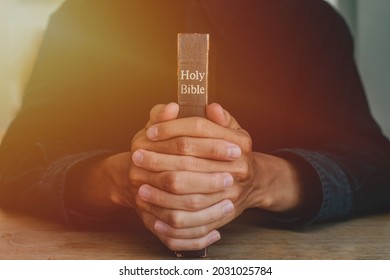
x: 234, y: 152
x: 214, y: 236
x: 138, y: 157
x: 228, y: 181
x: 228, y: 208
x: 152, y: 132
x: 144, y: 192
x: 160, y: 227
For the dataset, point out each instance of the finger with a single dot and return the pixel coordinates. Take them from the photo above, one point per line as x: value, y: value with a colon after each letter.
x: 158, y: 162
x: 188, y: 202
x: 199, y: 147
x: 193, y: 127
x: 185, y: 219
x: 180, y: 244
x: 193, y: 232
x: 199, y: 241
x: 155, y: 112
x: 190, y: 244
x: 217, y: 114
x: 186, y: 182
x: 162, y: 113
x: 182, y: 182
x: 157, y: 226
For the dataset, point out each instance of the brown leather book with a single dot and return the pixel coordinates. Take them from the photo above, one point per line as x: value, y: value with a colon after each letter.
x: 192, y: 74
x: 192, y: 91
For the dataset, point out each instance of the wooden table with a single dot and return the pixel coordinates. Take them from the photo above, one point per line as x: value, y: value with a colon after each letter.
x: 24, y: 237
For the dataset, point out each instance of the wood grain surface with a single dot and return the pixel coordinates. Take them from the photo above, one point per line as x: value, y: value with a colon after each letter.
x: 24, y: 237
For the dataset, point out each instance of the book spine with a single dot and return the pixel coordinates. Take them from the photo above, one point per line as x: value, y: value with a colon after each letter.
x: 192, y: 90
x: 192, y: 74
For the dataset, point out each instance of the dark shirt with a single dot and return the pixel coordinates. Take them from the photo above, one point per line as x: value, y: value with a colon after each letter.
x: 284, y: 69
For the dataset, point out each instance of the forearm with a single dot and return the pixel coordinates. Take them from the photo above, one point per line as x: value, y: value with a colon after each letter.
x: 341, y: 180
x: 277, y: 184
x: 99, y: 186
x: 295, y: 190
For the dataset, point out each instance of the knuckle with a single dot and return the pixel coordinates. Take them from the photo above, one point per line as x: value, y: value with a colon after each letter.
x: 183, y: 145
x: 214, y: 183
x: 199, y: 125
x: 242, y: 169
x: 176, y: 233
x: 134, y: 177
x: 154, y: 162
x: 138, y: 140
x: 195, y: 202
x: 203, y: 230
x: 234, y: 195
x: 171, y: 182
x: 246, y: 144
x: 156, y: 109
x: 166, y: 180
x: 175, y: 219
x: 191, y: 163
x: 176, y: 184
x: 214, y: 151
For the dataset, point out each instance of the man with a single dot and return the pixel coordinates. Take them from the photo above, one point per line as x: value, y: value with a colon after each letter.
x: 302, y: 145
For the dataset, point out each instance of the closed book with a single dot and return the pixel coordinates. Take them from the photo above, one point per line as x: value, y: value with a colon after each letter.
x: 192, y: 90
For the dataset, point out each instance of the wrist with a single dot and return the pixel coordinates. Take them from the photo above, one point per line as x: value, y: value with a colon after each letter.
x: 277, y: 185
x: 91, y: 186
x: 117, y: 168
x: 310, y: 186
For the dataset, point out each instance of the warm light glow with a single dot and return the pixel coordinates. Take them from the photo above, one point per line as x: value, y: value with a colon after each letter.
x: 22, y: 24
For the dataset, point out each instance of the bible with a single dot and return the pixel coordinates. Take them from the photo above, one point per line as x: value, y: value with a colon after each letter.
x: 192, y: 76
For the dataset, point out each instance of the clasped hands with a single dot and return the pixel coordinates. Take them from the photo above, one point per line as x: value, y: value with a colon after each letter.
x: 191, y: 176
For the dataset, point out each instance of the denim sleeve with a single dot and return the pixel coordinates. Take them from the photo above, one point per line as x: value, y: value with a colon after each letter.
x: 36, y: 182
x: 331, y: 181
x: 53, y: 181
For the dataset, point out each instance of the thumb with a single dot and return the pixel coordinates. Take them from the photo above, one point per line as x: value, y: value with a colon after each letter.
x: 217, y: 114
x: 161, y: 113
